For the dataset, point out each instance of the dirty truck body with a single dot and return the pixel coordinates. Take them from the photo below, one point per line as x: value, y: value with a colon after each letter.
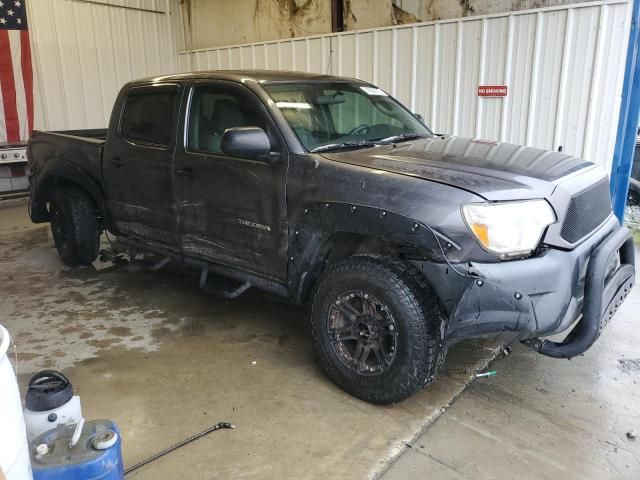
x: 324, y: 190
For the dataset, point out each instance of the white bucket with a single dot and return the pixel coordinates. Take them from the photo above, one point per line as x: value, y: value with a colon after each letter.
x: 14, y: 449
x: 39, y: 422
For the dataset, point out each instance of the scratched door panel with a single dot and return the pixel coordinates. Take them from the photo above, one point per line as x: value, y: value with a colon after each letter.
x: 231, y: 210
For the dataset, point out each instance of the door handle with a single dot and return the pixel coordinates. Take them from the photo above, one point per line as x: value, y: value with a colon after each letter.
x: 117, y: 162
x: 187, y: 172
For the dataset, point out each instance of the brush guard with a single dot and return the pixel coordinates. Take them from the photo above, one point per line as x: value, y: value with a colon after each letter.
x: 603, y: 295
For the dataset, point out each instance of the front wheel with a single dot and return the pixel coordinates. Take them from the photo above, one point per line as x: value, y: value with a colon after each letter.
x: 377, y: 328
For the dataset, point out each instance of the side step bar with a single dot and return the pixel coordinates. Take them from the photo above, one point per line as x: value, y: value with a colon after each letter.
x: 235, y: 293
x: 245, y: 280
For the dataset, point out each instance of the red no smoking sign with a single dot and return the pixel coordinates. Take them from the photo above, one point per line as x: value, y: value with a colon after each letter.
x: 492, y: 91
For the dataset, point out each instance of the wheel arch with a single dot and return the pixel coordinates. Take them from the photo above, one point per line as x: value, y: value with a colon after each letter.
x: 329, y: 232
x: 62, y: 173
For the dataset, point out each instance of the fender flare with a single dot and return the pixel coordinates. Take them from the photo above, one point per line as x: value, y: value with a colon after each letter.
x: 317, y: 224
x: 57, y: 171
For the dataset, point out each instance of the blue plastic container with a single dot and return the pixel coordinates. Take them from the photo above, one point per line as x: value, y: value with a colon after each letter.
x: 97, y: 455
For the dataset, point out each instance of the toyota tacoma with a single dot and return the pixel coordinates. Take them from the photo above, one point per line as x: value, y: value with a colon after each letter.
x: 327, y: 191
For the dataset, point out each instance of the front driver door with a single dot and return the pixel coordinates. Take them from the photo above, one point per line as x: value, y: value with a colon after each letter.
x: 231, y: 210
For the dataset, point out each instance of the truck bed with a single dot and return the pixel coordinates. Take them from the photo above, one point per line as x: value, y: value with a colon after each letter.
x: 82, y: 148
x: 95, y: 133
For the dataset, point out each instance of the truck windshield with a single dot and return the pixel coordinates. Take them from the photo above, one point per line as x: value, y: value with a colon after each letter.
x: 331, y: 115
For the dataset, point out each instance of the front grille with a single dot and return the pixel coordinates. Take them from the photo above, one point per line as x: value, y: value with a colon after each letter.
x: 587, y: 210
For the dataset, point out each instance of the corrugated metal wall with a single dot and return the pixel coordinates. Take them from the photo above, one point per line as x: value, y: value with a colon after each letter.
x: 84, y: 51
x: 151, y: 5
x: 563, y: 65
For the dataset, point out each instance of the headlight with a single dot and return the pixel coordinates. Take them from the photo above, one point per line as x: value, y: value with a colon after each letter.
x: 509, y: 228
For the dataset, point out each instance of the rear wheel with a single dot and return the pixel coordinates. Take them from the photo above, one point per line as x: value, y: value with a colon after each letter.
x: 74, y: 225
x: 377, y: 328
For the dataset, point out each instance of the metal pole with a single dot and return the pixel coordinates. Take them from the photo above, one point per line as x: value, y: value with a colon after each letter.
x: 182, y: 443
x: 628, y: 122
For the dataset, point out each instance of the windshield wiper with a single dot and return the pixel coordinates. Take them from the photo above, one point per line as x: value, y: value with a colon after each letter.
x: 403, y: 137
x: 339, y: 146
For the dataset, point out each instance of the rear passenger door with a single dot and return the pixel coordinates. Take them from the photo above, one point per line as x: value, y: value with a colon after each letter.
x: 232, y: 210
x: 137, y: 164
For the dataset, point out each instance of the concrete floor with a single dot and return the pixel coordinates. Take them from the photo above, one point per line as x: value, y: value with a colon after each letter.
x: 164, y: 360
x: 541, y: 418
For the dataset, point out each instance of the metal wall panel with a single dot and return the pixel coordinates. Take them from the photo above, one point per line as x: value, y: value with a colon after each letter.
x: 151, y: 5
x: 563, y: 65
x: 83, y: 52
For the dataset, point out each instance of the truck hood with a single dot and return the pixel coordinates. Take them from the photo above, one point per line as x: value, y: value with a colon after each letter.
x: 493, y: 170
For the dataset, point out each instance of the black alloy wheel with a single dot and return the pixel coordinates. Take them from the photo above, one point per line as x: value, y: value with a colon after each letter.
x: 363, y: 333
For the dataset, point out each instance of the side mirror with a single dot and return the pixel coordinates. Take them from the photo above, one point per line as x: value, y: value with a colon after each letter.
x: 250, y: 143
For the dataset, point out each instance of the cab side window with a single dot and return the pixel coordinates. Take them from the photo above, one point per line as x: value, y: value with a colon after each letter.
x: 150, y: 117
x: 213, y: 110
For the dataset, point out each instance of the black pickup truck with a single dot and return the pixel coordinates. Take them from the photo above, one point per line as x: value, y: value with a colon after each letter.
x: 327, y: 191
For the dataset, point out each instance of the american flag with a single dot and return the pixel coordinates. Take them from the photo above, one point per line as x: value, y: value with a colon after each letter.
x: 16, y: 75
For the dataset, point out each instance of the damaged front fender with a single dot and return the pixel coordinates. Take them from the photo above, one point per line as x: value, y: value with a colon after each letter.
x: 488, y: 306
x: 321, y: 224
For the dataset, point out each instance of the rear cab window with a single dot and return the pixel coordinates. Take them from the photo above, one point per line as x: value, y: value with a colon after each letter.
x: 149, y: 115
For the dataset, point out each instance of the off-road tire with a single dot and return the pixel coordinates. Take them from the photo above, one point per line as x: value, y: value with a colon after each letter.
x: 74, y: 225
x: 416, y: 312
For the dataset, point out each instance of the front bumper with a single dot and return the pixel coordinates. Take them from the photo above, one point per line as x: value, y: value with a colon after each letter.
x: 542, y: 296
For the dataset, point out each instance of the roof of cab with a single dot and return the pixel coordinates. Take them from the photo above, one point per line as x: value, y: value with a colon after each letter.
x: 259, y: 76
